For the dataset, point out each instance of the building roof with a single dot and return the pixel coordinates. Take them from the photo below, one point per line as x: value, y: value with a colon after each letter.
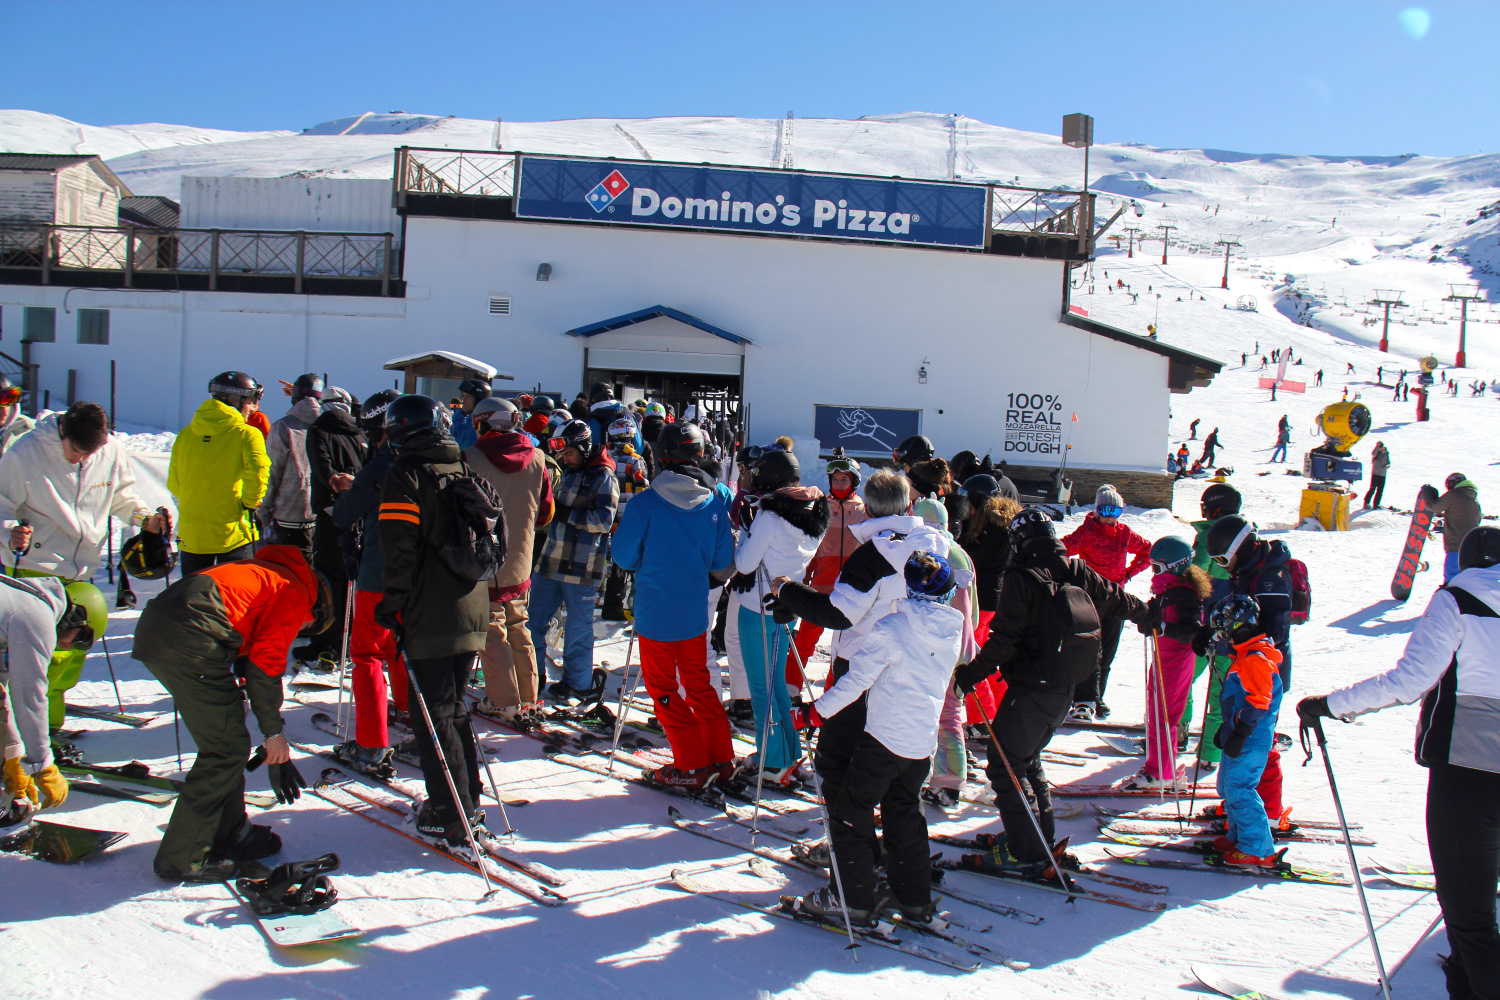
x: 60, y: 161
x: 150, y: 210
x: 652, y: 312
x: 479, y: 367
x: 1185, y: 370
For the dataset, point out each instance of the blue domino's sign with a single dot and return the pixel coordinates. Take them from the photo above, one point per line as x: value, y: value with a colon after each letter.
x: 772, y: 202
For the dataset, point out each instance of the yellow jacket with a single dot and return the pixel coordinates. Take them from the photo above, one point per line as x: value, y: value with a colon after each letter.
x: 219, y: 468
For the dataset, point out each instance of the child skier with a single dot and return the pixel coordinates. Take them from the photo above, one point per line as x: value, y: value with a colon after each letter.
x: 630, y: 472
x: 1218, y: 500
x: 905, y: 664
x: 1180, y: 589
x: 1249, y: 702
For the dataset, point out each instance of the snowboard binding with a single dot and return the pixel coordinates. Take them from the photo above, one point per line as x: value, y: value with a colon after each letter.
x: 298, y: 887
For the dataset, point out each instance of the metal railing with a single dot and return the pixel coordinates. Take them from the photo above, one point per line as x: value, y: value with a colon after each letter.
x: 492, y: 174
x: 211, y: 252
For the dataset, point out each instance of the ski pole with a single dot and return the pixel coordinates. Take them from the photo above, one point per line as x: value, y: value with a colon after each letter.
x: 833, y: 861
x: 1316, y: 726
x: 1031, y: 812
x: 763, y: 736
x: 110, y: 661
x: 177, y: 731
x: 344, y: 652
x: 1208, y: 704
x: 1395, y: 969
x: 437, y: 746
x: 625, y: 685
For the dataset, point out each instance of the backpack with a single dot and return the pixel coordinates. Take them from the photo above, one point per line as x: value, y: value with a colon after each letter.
x: 1301, y: 591
x: 475, y: 547
x: 1069, y: 651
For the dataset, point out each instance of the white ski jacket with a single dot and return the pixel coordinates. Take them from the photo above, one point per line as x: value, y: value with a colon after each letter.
x: 906, y: 664
x: 29, y: 610
x: 864, y: 598
x: 68, y: 505
x: 1451, y: 663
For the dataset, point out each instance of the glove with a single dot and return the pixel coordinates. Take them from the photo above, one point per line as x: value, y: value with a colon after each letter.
x: 1313, y: 708
x: 780, y: 613
x: 54, y: 787
x: 741, y: 583
x: 806, y: 717
x: 1233, y: 744
x: 386, y: 618
x: 968, y: 675
x: 286, y: 782
x: 1202, y: 639
x: 1429, y: 492
x: 1150, y: 620
x: 18, y: 783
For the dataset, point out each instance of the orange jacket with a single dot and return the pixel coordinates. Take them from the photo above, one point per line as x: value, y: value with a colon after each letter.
x: 1257, y: 663
x: 268, y: 599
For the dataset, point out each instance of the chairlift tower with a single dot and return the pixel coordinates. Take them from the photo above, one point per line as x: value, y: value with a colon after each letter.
x: 1390, y: 298
x: 1131, y: 232
x: 1463, y: 294
x: 1228, y: 243
x: 1166, y: 233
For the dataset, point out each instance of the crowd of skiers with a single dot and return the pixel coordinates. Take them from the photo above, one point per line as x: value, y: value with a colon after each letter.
x: 433, y: 540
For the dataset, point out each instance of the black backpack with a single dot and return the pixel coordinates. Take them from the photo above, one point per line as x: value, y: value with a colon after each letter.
x: 1068, y: 651
x: 476, y: 544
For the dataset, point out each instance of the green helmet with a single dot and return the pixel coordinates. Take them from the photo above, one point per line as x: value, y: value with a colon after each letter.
x: 86, y: 612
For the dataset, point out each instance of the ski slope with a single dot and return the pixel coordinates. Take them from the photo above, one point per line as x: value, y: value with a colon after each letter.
x: 107, y: 928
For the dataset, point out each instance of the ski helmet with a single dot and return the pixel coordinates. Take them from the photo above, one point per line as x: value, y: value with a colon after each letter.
x: 574, y: 434
x: 848, y: 466
x: 372, y: 414
x: 309, y: 384
x: 10, y: 394
x: 498, y: 414
x: 928, y: 576
x: 776, y: 469
x: 1237, y: 618
x: 476, y: 387
x: 407, y: 416
x: 980, y: 487
x: 600, y: 391
x: 680, y: 443
x: 1228, y: 538
x: 86, y: 612
x: 1031, y: 524
x: 1453, y: 480
x: 622, y: 429
x: 543, y: 405
x: 1480, y: 548
x: 915, y: 449
x: 1220, y: 500
x: 148, y: 555
x: 322, y: 611
x: 229, y: 388
x: 1171, y: 554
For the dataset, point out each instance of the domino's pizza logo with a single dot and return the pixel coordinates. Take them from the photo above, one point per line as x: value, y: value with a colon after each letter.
x: 606, y: 191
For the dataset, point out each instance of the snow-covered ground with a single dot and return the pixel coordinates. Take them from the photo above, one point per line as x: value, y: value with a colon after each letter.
x: 107, y: 928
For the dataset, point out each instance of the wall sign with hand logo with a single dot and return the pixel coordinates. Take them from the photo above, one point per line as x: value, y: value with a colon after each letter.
x: 864, y: 430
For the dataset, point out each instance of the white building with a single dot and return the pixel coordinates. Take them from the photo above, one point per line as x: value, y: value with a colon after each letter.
x: 953, y: 320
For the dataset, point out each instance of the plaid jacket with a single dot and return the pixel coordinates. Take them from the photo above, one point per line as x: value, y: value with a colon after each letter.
x: 577, y: 549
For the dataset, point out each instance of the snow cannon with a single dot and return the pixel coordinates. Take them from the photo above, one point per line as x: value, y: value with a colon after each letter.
x: 1342, y: 426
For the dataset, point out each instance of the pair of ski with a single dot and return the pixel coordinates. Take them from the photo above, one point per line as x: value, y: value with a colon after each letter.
x: 1135, y: 746
x: 1083, y: 872
x: 500, y: 864
x: 148, y: 788
x: 1212, y: 861
x: 1050, y: 884
x: 124, y: 719
x: 1165, y: 833
x: 1202, y: 789
x: 1209, y: 813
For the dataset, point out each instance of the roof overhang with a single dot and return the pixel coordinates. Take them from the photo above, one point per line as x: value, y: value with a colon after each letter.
x: 1185, y: 370
x: 457, y: 360
x: 654, y: 312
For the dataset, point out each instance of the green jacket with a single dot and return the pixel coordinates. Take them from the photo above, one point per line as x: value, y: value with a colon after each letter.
x: 218, y: 471
x: 1200, y: 551
x: 441, y: 614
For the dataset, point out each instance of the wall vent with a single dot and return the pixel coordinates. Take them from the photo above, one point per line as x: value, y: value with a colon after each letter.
x: 499, y: 305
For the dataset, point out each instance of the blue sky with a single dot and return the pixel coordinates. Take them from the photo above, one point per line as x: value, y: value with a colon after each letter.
x: 1318, y: 76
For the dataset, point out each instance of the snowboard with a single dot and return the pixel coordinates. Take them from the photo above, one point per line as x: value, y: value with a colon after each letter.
x: 58, y: 844
x: 291, y: 930
x: 1411, y: 552
x: 1219, y: 981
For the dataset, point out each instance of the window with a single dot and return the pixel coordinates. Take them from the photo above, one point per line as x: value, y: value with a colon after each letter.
x: 39, y: 324
x: 93, y: 326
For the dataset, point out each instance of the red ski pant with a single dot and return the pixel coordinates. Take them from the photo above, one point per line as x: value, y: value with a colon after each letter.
x: 989, y: 692
x: 806, y: 642
x: 687, y: 702
x: 372, y: 648
x: 1269, y: 788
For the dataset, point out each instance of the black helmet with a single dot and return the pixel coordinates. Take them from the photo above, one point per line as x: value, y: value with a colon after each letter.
x: 410, y: 415
x: 543, y: 405
x: 230, y: 388
x: 776, y: 469
x: 322, y: 610
x: 1228, y: 537
x: 310, y: 384
x: 476, y: 387
x: 1031, y: 524
x: 1480, y: 548
x: 1220, y: 500
x: 148, y: 556
x: 499, y: 414
x: 1236, y: 618
x: 372, y: 414
x: 600, y: 391
x: 915, y: 449
x: 681, y: 443
x: 980, y: 487
x: 574, y: 434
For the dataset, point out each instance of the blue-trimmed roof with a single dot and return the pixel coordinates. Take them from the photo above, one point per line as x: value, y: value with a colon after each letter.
x: 652, y: 312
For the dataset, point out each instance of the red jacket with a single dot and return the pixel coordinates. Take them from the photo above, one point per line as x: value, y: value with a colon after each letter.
x: 1104, y: 548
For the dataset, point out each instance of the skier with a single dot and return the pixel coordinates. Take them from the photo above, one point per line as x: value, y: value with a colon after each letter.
x: 1193, y: 429
x: 1448, y: 664
x: 1182, y: 456
x: 675, y: 536
x: 288, y: 507
x: 985, y: 538
x: 1116, y: 552
x: 630, y: 470
x: 902, y: 671
x: 1380, y: 465
x: 1210, y: 448
x: 930, y: 479
x: 913, y: 451
x: 505, y: 458
x: 1044, y: 640
x: 218, y: 473
x: 604, y: 410
x: 59, y: 486
x: 39, y: 616
x: 789, y: 524
x: 1250, y: 699
x: 470, y: 392
x: 13, y: 423
x: 1283, y: 438
x: 1218, y: 500
x: 575, y: 557
x: 653, y: 419
x: 1350, y: 369
x: 1461, y: 513
x: 214, y: 640
x: 1319, y: 377
x: 438, y: 616
x: 845, y: 509
x: 335, y: 446
x: 1180, y: 588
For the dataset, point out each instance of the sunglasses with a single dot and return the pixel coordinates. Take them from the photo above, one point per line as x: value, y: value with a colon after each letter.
x: 1109, y: 510
x: 10, y: 397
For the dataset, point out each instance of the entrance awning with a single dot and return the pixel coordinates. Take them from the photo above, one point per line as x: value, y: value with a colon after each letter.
x: 655, y: 312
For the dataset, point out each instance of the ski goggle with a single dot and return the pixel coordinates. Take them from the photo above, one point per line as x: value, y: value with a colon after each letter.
x: 848, y: 465
x: 11, y: 396
x: 1109, y: 510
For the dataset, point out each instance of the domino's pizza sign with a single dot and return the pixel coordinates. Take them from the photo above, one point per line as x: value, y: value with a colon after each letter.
x: 770, y: 202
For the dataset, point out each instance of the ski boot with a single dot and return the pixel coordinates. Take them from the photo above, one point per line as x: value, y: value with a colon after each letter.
x: 407, y: 753
x: 816, y: 855
x: 210, y: 870
x: 925, y: 915
x: 945, y: 799
x: 779, y: 777
x: 1101, y: 711
x: 698, y: 780
x: 374, y: 761
x: 1146, y: 782
x: 66, y: 751
x: 299, y: 887
x: 443, y: 828
x: 825, y: 905
x: 1082, y: 711
x: 741, y: 712
x: 1236, y: 858
x: 248, y: 842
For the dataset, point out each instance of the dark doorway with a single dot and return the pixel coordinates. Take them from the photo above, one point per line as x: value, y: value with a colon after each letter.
x: 716, y: 398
